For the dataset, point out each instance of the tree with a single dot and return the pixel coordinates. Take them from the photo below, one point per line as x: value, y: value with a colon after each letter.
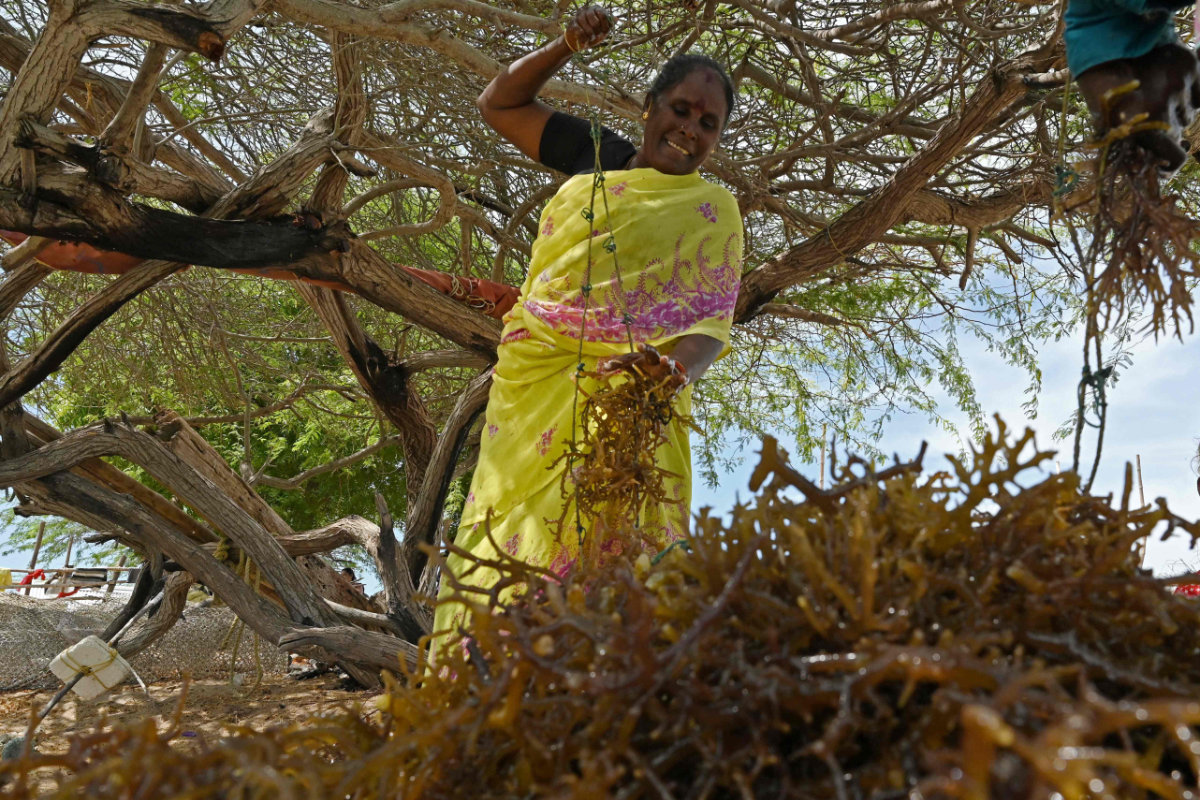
x: 895, y: 166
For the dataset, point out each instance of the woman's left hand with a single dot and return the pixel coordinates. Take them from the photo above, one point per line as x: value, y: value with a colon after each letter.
x: 649, y: 362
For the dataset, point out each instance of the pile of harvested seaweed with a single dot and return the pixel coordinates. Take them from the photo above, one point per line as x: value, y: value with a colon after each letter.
x: 898, y: 636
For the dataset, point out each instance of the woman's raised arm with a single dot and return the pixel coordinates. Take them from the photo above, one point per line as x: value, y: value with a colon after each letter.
x: 509, y: 104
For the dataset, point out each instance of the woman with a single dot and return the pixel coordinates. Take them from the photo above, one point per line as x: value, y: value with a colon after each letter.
x: 678, y: 244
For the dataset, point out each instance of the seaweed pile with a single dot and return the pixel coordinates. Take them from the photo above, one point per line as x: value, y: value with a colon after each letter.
x: 958, y: 635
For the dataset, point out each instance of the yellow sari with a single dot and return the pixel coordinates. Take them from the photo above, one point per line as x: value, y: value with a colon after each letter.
x: 679, y: 241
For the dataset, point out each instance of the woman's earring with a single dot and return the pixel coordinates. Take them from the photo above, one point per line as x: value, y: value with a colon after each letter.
x: 645, y: 115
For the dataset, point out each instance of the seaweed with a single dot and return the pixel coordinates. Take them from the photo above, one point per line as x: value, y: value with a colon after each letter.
x: 984, y: 631
x: 611, y: 472
x: 1142, y: 240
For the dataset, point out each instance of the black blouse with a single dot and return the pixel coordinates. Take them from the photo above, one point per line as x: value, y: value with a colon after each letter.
x: 567, y: 146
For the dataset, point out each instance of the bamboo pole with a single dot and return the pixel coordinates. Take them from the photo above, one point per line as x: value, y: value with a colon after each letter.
x: 37, y: 548
x: 116, y: 576
x: 67, y: 558
x: 1142, y: 496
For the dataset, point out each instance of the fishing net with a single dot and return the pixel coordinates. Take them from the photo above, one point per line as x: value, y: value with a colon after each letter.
x: 33, y: 632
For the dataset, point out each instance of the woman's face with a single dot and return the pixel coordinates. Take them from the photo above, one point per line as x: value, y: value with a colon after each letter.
x: 684, y: 124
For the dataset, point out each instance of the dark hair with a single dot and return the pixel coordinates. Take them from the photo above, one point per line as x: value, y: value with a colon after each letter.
x: 684, y: 64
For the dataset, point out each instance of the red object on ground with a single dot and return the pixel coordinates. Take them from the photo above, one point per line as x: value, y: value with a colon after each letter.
x: 490, y: 297
x: 1188, y: 589
x: 32, y: 576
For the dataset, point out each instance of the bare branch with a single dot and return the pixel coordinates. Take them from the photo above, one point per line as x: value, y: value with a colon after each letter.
x: 297, y: 481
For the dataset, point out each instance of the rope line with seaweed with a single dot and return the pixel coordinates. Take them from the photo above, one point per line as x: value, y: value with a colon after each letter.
x: 1138, y: 255
x: 611, y: 472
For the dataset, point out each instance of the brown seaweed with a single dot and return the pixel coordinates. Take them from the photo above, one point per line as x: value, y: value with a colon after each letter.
x: 1140, y: 252
x: 981, y: 632
x: 611, y: 473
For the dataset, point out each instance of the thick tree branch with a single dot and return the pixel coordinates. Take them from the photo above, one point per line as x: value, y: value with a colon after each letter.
x: 266, y: 193
x: 356, y: 645
x: 118, y: 169
x: 933, y: 207
x: 71, y: 207
x: 158, y: 623
x: 122, y: 128
x: 20, y: 282
x: 436, y: 359
x: 350, y: 530
x: 192, y: 487
x: 398, y: 584
x: 377, y: 280
x: 109, y: 477
x: 385, y: 382
x: 425, y: 510
x: 191, y: 448
x: 69, y: 29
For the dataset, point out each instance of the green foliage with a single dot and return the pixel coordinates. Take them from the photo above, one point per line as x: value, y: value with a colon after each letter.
x: 214, y: 348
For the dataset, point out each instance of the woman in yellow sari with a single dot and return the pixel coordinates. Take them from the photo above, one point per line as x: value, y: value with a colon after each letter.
x: 679, y: 250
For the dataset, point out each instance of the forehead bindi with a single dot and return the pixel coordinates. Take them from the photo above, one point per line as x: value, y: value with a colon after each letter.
x: 701, y: 90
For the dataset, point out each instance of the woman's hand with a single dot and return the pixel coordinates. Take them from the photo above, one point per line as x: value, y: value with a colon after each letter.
x: 589, y: 28
x: 509, y: 104
x: 649, y: 362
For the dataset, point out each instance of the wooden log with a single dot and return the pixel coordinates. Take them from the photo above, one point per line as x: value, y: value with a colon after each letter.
x: 362, y: 647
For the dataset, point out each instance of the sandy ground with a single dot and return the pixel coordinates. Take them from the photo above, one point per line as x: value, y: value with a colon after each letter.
x: 211, y: 706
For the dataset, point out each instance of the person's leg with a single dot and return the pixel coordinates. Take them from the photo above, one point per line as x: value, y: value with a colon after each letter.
x: 1163, y: 85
